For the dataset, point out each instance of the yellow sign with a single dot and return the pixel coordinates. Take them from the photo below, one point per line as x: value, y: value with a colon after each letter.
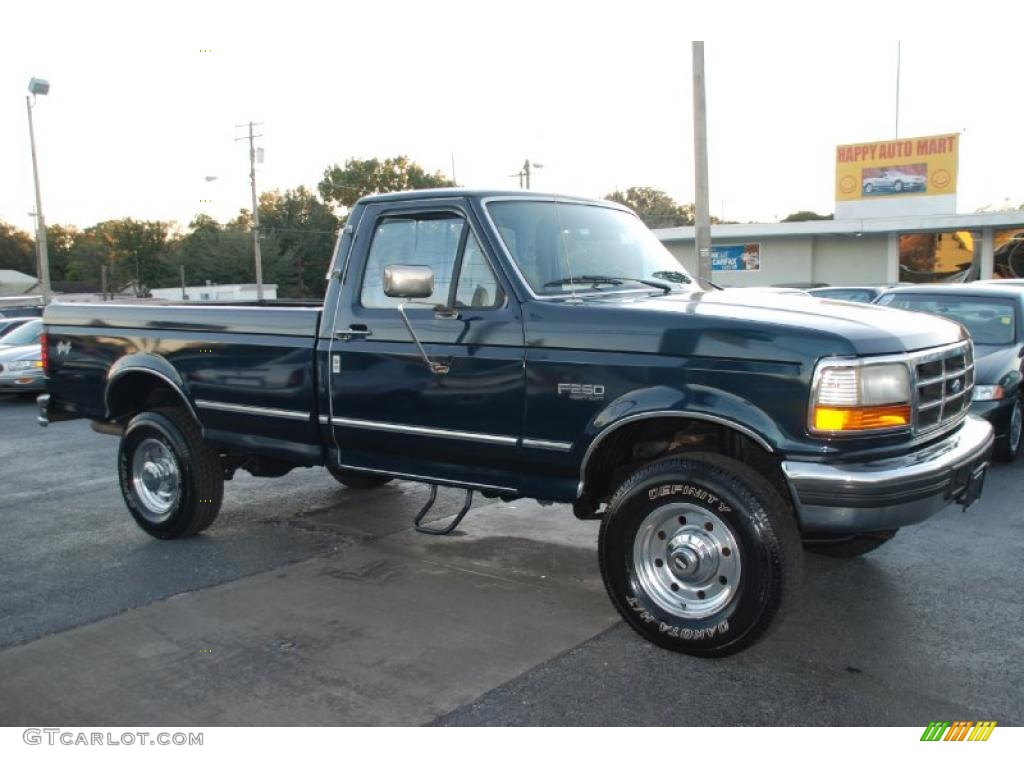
x: 922, y: 166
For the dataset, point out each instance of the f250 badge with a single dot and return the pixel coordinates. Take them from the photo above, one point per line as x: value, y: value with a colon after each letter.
x: 581, y: 391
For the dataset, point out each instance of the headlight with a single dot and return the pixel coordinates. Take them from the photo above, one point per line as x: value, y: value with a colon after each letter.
x: 860, y: 396
x: 24, y: 365
x: 987, y: 392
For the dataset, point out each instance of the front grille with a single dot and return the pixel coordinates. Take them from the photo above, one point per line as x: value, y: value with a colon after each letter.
x: 944, y: 380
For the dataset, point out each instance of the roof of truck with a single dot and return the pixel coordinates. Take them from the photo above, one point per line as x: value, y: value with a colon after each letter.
x: 448, y: 192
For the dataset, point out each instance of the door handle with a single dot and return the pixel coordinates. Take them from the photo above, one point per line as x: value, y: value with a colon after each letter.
x: 353, y: 332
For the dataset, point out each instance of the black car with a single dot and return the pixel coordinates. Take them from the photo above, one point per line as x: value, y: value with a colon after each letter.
x: 994, y: 316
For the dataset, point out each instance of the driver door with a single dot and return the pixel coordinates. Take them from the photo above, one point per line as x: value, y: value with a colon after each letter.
x: 390, y: 412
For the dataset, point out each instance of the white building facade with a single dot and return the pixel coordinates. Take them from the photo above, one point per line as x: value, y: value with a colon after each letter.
x: 861, y: 251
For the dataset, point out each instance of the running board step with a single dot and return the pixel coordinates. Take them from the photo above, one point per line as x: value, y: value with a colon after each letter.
x: 418, y: 521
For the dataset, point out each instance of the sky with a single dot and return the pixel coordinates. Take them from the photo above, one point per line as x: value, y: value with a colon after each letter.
x: 145, y: 97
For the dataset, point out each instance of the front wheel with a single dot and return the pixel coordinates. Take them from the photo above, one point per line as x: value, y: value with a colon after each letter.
x: 171, y: 480
x: 698, y: 553
x: 1008, y: 446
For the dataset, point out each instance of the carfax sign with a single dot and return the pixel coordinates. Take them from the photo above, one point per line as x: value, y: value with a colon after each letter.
x: 745, y: 257
x: 892, y: 177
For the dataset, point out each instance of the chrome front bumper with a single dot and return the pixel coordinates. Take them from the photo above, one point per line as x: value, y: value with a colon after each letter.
x: 892, y: 492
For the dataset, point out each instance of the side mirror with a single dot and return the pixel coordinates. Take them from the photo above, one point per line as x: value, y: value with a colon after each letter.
x: 408, y: 282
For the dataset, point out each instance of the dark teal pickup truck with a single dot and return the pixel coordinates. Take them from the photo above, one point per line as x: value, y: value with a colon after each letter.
x: 522, y: 345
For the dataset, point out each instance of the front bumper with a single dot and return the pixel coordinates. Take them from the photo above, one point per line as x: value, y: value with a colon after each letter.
x: 893, y: 492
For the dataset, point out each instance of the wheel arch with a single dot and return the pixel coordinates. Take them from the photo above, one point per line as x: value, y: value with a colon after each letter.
x: 139, y: 381
x: 617, y: 445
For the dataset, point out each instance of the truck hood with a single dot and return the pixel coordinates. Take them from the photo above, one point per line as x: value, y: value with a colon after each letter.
x: 840, y: 327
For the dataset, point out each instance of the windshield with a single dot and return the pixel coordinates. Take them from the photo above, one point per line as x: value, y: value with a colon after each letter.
x: 560, y: 247
x: 27, y: 334
x: 989, y: 321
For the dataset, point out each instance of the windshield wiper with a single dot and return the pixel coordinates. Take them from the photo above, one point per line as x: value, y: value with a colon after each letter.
x: 595, y: 280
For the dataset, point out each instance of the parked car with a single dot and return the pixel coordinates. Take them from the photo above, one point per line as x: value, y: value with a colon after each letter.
x: 21, y: 369
x: 862, y: 294
x: 25, y: 334
x: 8, y: 324
x: 523, y: 345
x: 994, y: 316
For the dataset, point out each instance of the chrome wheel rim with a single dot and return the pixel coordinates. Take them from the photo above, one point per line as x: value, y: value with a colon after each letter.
x: 1016, y: 420
x: 686, y: 560
x: 156, y: 479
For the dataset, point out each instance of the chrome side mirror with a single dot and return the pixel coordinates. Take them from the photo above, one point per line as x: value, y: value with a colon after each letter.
x: 408, y: 282
x: 411, y: 282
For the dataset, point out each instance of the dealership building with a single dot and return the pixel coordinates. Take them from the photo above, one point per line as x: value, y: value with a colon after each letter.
x: 895, y: 221
x: 866, y: 251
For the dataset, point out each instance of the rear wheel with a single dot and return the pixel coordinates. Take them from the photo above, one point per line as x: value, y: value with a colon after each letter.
x: 171, y: 480
x: 699, y: 553
x: 849, y: 546
x: 358, y: 480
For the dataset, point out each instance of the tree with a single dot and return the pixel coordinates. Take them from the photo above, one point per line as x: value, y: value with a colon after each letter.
x: 366, y: 177
x: 298, y: 233
x: 60, y: 239
x: 17, y: 250
x: 211, y: 252
x: 807, y: 216
x: 654, y: 207
x: 134, y: 251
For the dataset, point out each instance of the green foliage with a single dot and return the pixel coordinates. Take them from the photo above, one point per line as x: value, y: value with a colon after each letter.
x: 654, y: 207
x: 17, y: 250
x: 209, y: 251
x: 298, y: 232
x: 134, y: 251
x: 366, y: 177
x: 60, y: 241
x: 807, y: 216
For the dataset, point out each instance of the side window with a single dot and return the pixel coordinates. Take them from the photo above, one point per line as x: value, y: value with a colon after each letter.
x: 478, y: 287
x: 428, y: 241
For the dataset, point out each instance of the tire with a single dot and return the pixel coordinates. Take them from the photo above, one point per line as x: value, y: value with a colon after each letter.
x: 849, y: 546
x: 752, y: 544
x: 868, y: 189
x: 358, y: 480
x: 1008, y: 446
x: 171, y: 480
x: 898, y: 186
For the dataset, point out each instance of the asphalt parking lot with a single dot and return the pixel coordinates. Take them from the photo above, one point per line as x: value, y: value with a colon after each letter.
x: 307, y: 603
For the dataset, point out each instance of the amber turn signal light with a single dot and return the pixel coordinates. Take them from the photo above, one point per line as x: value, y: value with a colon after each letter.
x: 830, y: 419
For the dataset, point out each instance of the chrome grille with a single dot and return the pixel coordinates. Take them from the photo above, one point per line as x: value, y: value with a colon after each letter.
x: 944, y: 380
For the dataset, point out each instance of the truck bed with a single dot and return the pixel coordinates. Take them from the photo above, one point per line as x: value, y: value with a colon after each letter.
x: 247, y: 372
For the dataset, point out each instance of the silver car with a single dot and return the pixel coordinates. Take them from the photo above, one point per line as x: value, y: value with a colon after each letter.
x: 21, y: 369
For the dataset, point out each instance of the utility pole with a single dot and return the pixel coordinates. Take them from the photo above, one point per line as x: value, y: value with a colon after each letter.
x: 184, y: 296
x: 701, y: 203
x: 255, y: 207
x: 44, y: 259
x: 897, y: 134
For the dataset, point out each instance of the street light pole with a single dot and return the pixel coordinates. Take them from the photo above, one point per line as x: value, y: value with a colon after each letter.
x: 39, y: 87
x: 701, y: 202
